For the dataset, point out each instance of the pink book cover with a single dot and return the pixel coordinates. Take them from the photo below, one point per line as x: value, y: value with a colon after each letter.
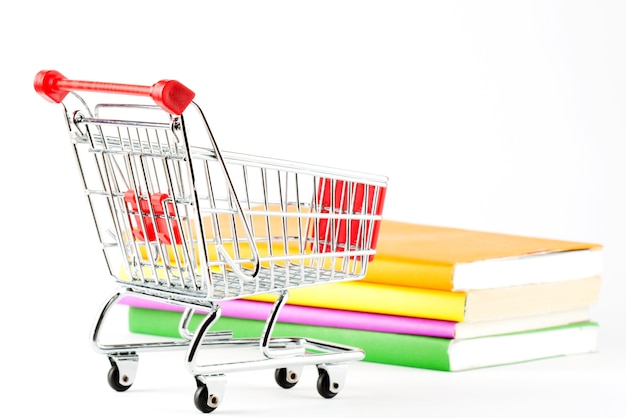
x: 248, y: 309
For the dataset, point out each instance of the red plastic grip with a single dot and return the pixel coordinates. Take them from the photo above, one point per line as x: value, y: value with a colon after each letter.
x: 170, y: 95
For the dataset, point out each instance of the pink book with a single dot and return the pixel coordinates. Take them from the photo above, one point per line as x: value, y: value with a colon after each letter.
x: 248, y: 309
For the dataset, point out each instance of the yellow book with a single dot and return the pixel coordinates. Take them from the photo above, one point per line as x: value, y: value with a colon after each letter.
x: 478, y: 305
x: 455, y: 259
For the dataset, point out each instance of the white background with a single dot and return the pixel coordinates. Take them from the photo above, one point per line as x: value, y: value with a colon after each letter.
x: 501, y: 116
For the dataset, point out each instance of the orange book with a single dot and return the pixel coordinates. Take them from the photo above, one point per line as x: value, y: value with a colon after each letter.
x: 455, y: 259
x: 440, y: 258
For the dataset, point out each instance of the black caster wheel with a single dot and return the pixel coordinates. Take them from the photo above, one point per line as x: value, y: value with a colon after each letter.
x: 324, y: 384
x: 114, y: 379
x: 204, y: 401
x: 285, y: 378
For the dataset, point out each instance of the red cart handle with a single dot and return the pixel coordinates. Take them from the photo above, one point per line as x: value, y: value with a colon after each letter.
x: 170, y: 95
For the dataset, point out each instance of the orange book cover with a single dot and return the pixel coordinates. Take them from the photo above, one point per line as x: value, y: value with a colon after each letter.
x: 457, y: 259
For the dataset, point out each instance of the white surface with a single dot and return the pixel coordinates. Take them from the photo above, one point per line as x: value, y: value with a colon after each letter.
x: 503, y: 116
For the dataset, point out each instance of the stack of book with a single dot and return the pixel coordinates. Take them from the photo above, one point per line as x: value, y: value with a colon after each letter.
x: 436, y: 298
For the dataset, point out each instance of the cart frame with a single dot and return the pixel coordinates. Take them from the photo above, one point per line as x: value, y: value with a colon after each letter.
x: 191, y: 225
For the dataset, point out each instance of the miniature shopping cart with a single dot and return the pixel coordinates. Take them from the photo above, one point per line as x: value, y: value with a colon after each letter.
x: 182, y: 222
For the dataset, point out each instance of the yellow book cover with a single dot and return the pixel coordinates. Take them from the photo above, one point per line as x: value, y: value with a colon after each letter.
x: 378, y: 298
x: 457, y: 259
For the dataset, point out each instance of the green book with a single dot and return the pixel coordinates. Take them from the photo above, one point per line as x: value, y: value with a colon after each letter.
x: 399, y: 349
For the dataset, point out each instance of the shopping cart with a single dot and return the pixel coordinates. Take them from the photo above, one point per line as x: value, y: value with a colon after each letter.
x: 189, y: 225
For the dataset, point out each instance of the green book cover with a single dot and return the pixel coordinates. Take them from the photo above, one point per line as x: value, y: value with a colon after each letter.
x: 398, y: 349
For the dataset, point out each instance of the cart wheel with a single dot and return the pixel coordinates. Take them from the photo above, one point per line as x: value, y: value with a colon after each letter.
x: 285, y: 378
x: 114, y: 379
x: 204, y: 402
x: 324, y: 384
